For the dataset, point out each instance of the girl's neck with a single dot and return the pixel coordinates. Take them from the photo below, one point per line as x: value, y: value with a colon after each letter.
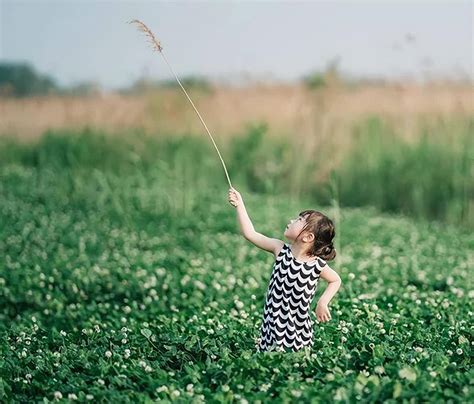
x: 298, y: 250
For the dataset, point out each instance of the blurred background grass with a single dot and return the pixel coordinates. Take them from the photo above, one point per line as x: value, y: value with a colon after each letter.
x: 429, y: 177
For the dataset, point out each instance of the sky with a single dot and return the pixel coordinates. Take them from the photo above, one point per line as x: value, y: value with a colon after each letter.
x: 89, y: 40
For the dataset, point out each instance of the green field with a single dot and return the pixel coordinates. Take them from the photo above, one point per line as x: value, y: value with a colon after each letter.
x: 123, y: 277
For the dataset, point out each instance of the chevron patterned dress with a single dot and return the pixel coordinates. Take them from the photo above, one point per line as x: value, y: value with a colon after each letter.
x: 287, y: 325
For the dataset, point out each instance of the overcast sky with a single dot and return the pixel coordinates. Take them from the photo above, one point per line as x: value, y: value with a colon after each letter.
x: 79, y: 40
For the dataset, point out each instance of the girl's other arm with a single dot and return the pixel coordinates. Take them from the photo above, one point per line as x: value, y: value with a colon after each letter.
x: 334, y: 283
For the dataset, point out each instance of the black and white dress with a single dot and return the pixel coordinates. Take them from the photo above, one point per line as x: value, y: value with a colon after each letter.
x: 287, y: 325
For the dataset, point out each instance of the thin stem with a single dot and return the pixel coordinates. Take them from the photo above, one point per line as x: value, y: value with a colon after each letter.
x: 199, y: 115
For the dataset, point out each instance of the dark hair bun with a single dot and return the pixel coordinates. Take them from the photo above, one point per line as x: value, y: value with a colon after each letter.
x: 329, y: 252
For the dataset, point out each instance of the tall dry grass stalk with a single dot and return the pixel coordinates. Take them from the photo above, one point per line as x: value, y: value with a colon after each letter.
x: 157, y: 46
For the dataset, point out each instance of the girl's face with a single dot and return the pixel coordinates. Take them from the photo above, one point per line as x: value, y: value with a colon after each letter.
x: 294, y: 228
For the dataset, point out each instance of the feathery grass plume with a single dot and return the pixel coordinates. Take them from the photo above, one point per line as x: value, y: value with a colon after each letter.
x: 157, y: 46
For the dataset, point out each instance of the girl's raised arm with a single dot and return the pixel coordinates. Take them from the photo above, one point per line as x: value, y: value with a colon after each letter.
x: 246, y: 226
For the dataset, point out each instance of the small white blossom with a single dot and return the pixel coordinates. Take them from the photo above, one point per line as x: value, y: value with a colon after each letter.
x: 238, y: 304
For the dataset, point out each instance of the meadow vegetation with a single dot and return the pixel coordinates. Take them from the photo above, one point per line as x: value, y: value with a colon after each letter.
x: 123, y: 276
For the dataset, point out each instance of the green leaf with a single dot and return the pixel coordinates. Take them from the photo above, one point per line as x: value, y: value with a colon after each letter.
x: 146, y: 332
x: 397, y: 389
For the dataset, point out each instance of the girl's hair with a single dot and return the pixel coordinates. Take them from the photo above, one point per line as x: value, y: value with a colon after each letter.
x: 323, y: 229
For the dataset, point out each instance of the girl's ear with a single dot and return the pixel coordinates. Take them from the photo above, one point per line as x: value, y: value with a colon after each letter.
x: 309, y: 237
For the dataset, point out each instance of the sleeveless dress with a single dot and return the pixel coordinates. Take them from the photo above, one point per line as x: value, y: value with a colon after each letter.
x: 287, y: 325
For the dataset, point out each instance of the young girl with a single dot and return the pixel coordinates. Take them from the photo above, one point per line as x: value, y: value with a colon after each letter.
x: 298, y: 266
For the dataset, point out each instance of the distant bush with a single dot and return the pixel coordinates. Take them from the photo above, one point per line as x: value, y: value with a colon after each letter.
x: 330, y: 76
x: 81, y: 89
x: 21, y: 80
x: 144, y: 85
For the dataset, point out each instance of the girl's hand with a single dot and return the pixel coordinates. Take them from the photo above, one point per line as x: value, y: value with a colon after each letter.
x: 322, y: 312
x: 235, y: 198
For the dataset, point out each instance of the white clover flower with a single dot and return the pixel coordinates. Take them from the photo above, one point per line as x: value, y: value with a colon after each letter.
x: 100, y: 381
x: 296, y: 393
x: 162, y: 388
x: 89, y: 397
x: 200, y: 285
x: 97, y: 328
x: 351, y: 275
x: 433, y: 373
x: 238, y: 304
x: 418, y: 349
x: 225, y: 388
x: 108, y: 354
x: 28, y: 376
x: 379, y: 369
x: 72, y: 396
x: 124, y: 340
x: 63, y: 333
x: 148, y: 368
x: 175, y: 393
x: 58, y: 395
x: 459, y: 351
x: 190, y: 387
